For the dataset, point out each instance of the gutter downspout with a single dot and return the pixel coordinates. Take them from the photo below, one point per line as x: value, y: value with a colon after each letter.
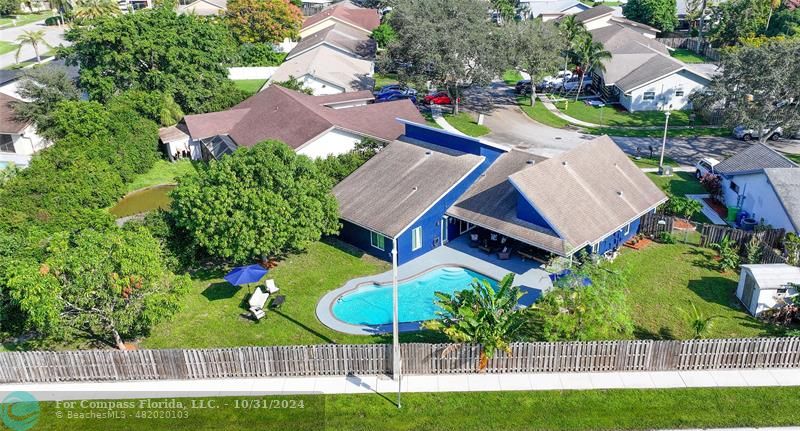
x: 396, y: 362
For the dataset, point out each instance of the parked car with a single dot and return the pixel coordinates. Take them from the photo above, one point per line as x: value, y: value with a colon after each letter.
x: 560, y: 77
x: 573, y: 83
x: 388, y: 88
x: 744, y: 133
x: 523, y: 87
x: 440, y: 98
x: 705, y: 166
x: 397, y: 95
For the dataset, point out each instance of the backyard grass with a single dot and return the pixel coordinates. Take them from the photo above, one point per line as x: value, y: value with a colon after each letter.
x: 616, y: 116
x: 663, y: 279
x: 793, y: 157
x: 163, y: 172
x: 466, y: 124
x: 657, y: 133
x: 23, y: 19
x: 646, y: 162
x: 382, y: 79
x: 622, y: 409
x: 688, y: 56
x: 680, y: 184
x: 511, y: 76
x: 539, y: 113
x: 6, y: 47
x: 250, y: 86
x: 211, y: 313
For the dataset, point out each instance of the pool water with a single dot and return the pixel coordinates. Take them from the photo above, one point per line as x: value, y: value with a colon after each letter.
x: 372, y: 304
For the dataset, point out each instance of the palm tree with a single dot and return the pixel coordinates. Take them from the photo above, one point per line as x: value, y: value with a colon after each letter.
x: 34, y: 38
x: 87, y: 10
x: 484, y: 315
x: 699, y: 323
x: 590, y: 56
x: 570, y: 29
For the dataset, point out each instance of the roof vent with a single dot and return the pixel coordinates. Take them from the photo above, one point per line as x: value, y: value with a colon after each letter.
x: 529, y: 161
x: 415, y: 189
x: 619, y: 193
x: 428, y: 153
x: 564, y: 163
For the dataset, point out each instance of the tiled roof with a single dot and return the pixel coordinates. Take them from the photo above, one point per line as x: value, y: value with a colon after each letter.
x: 346, y: 11
x: 754, y: 159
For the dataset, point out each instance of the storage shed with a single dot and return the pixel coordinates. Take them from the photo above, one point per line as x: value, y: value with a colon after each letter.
x: 762, y: 287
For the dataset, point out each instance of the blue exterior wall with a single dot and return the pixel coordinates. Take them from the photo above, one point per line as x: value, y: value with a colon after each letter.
x: 616, y: 239
x: 527, y: 212
x: 360, y: 237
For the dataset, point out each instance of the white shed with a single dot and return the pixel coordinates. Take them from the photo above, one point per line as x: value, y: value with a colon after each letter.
x: 761, y: 287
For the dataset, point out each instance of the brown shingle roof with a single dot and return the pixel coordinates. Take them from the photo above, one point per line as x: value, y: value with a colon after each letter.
x: 364, y: 18
x: 8, y: 121
x: 296, y: 118
x: 397, y: 185
x: 589, y: 192
x: 330, y: 65
x: 340, y: 36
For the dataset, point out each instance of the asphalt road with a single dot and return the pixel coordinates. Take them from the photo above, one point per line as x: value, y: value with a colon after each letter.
x: 54, y: 35
x: 511, y: 126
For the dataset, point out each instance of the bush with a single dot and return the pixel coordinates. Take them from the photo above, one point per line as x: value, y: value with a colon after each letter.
x: 383, y: 35
x: 9, y: 7
x: 340, y: 166
x: 259, y: 55
x: 666, y: 238
x: 727, y: 253
x: 682, y: 206
x: 713, y: 185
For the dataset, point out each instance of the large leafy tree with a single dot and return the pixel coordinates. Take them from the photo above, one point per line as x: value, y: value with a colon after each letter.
x: 156, y: 50
x: 9, y: 7
x: 573, y: 311
x: 263, y: 21
x: 110, y: 285
x: 43, y: 88
x: 258, y: 202
x: 764, y: 97
x: 535, y: 48
x: 735, y: 20
x: 87, y: 10
x: 450, y: 43
x: 482, y: 314
x: 661, y: 14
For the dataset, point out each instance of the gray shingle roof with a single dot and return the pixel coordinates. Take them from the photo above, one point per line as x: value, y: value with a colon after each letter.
x: 595, y: 12
x: 754, y: 159
x: 656, y: 67
x: 492, y: 203
x: 340, y: 36
x: 398, y: 184
x: 588, y: 192
x: 330, y: 65
x: 786, y: 183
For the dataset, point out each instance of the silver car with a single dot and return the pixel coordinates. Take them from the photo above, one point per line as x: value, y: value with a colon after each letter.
x: 744, y: 133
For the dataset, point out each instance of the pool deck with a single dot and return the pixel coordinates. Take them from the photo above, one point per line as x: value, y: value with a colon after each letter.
x: 528, y: 275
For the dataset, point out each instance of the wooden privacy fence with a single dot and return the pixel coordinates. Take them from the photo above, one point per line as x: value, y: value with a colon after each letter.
x: 418, y: 358
x: 694, y: 44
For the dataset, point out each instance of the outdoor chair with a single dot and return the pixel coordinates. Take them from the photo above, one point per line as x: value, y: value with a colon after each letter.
x: 277, y: 302
x: 270, y: 287
x: 504, y: 254
x: 474, y: 240
x: 256, y: 303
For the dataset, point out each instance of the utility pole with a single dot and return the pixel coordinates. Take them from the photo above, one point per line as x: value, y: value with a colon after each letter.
x: 396, y: 363
x: 663, y: 144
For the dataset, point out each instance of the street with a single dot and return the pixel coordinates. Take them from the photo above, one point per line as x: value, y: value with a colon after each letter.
x: 54, y: 35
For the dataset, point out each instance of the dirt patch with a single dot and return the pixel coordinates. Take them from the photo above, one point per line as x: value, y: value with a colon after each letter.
x: 717, y: 207
x: 638, y: 245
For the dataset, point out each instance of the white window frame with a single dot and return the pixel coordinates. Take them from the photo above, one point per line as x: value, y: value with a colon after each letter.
x: 679, y: 90
x: 416, y: 238
x: 596, y: 248
x: 647, y: 98
x: 377, y: 240
x: 461, y: 224
x: 627, y: 229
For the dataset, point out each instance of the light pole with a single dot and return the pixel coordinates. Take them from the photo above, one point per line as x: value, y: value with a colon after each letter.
x: 395, y: 324
x: 663, y: 144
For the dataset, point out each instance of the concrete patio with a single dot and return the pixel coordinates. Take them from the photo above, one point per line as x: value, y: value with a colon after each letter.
x: 533, y: 280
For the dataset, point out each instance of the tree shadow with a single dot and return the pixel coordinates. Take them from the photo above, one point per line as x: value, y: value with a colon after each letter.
x: 220, y: 290
x: 703, y: 259
x: 343, y: 246
x: 663, y: 333
x: 717, y: 290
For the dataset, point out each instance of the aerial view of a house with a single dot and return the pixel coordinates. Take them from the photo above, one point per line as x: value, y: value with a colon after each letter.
x: 439, y: 215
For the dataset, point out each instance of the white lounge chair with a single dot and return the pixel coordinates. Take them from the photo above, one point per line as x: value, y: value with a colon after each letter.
x: 256, y: 303
x: 270, y: 287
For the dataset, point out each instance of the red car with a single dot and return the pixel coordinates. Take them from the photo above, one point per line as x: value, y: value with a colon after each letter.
x: 440, y: 98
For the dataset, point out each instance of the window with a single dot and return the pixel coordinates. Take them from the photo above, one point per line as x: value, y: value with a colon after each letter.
x: 649, y: 95
x: 6, y: 144
x: 377, y: 240
x: 627, y: 229
x: 464, y: 226
x: 416, y: 238
x: 679, y: 92
x: 734, y: 187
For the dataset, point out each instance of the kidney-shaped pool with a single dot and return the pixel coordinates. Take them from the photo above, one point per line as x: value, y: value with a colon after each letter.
x: 371, y: 304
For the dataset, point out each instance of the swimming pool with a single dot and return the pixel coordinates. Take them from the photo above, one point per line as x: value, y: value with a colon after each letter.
x: 371, y: 304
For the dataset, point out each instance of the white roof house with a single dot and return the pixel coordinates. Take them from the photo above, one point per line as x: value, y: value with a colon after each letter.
x: 762, y: 287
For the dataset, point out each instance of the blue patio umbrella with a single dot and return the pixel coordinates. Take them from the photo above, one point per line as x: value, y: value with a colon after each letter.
x: 245, y: 275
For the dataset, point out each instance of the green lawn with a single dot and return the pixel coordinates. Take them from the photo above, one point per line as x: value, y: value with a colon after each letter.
x: 688, y: 56
x: 646, y: 162
x: 679, y: 184
x: 382, y: 79
x: 429, y: 119
x: 619, y: 117
x: 793, y: 157
x: 540, y: 114
x: 23, y: 19
x: 466, y: 124
x: 621, y: 409
x: 163, y: 172
x: 211, y: 314
x: 250, y: 86
x: 657, y: 133
x: 511, y: 76
x: 6, y: 47
x: 663, y: 279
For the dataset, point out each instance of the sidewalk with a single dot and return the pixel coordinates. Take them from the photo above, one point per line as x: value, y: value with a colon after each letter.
x: 419, y: 383
x: 436, y: 113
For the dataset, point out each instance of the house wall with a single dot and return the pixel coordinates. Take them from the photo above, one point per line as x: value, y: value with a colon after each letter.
x: 664, y: 89
x: 320, y: 87
x: 26, y: 144
x: 360, y: 237
x: 332, y: 142
x: 202, y: 8
x: 527, y: 212
x: 763, y: 299
x: 598, y: 23
x: 240, y: 73
x: 757, y: 197
x: 616, y: 239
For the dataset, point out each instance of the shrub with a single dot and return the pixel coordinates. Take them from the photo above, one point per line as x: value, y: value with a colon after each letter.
x: 259, y: 55
x: 666, y: 238
x: 713, y: 185
x: 682, y: 206
x: 728, y: 254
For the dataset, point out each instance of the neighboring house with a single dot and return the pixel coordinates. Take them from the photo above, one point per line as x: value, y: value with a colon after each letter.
x: 18, y: 139
x: 430, y: 186
x: 641, y: 75
x: 604, y: 16
x: 762, y: 287
x: 548, y: 10
x: 358, y: 18
x: 326, y: 70
x: 316, y: 126
x: 764, y: 185
x: 203, y: 7
x: 312, y: 7
x: 126, y: 6
x: 340, y: 37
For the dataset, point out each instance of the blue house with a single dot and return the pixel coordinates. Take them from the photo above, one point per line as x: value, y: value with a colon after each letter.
x: 431, y: 186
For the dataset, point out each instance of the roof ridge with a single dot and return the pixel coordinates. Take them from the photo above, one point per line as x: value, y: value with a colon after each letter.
x: 298, y: 97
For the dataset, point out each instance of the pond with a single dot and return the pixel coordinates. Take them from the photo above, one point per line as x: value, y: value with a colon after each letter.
x: 143, y: 200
